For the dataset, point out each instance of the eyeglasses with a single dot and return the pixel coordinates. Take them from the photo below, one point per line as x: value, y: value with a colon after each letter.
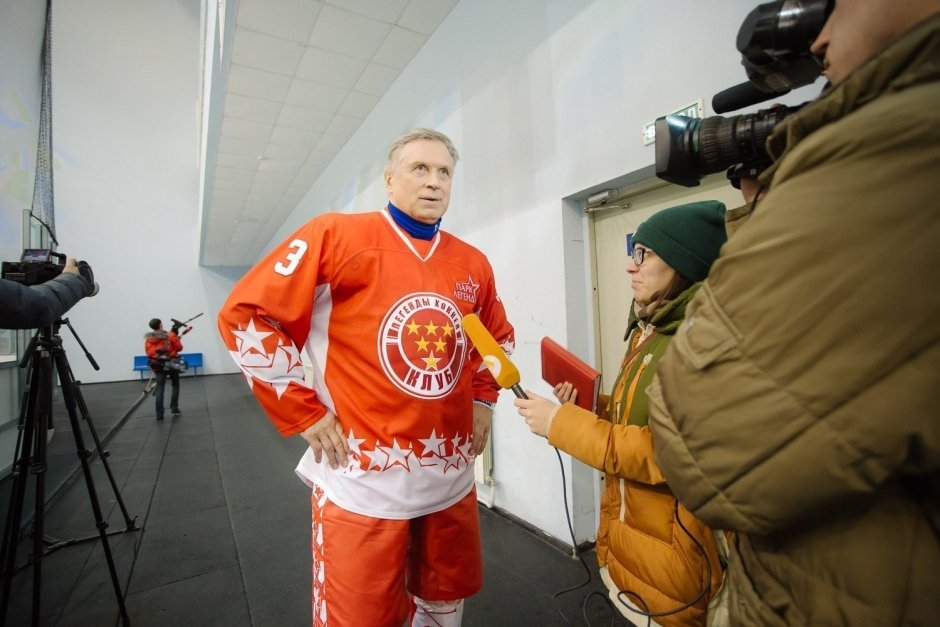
x: 639, y: 254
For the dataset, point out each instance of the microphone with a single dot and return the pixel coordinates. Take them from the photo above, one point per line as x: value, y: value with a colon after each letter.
x: 742, y: 95
x: 495, y: 359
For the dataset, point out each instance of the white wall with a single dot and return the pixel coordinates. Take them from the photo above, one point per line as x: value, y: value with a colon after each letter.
x: 126, y: 94
x: 544, y: 98
x: 21, y: 28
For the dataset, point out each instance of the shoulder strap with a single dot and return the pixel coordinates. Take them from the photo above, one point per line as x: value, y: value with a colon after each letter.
x: 614, y: 413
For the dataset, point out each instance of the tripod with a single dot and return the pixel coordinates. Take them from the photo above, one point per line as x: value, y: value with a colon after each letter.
x: 45, y: 357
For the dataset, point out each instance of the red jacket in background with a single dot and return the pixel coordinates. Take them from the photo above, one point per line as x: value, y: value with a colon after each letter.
x: 162, y: 344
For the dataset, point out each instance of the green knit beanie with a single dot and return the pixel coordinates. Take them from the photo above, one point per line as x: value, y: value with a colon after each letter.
x: 687, y: 237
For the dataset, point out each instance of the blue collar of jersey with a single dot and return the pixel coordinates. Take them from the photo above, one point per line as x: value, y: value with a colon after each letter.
x: 415, y: 228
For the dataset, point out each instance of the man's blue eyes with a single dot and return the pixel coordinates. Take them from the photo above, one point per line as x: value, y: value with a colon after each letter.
x: 423, y: 168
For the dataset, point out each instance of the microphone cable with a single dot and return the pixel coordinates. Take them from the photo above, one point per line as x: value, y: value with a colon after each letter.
x: 623, y: 594
x: 577, y: 554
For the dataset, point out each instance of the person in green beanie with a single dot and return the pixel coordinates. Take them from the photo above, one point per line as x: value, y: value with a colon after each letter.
x: 659, y: 562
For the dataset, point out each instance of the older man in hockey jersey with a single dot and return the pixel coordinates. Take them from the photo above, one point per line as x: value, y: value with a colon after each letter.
x: 399, y: 405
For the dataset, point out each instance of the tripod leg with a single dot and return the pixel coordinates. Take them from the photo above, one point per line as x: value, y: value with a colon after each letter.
x: 102, y: 455
x: 69, y: 396
x: 34, y: 421
x: 21, y: 466
x: 43, y: 422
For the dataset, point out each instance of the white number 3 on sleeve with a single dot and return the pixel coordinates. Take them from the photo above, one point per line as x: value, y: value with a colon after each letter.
x: 297, y: 249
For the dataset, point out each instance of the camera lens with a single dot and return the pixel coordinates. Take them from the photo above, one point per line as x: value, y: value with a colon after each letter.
x: 724, y: 142
x: 688, y: 148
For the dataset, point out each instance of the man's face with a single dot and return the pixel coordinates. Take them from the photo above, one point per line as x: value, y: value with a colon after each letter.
x: 419, y: 181
x: 858, y: 29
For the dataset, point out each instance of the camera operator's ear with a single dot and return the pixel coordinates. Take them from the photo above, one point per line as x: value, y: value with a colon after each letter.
x: 85, y: 270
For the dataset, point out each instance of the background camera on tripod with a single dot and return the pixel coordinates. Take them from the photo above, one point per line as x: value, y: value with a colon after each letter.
x: 38, y: 265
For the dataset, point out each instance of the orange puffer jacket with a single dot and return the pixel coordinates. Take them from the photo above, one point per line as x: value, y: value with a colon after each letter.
x: 640, y: 539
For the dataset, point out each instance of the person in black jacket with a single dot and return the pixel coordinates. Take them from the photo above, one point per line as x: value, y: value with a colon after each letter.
x: 35, y: 306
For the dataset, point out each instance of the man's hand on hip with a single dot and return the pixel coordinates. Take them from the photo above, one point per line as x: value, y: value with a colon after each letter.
x: 326, y: 436
x: 482, y: 419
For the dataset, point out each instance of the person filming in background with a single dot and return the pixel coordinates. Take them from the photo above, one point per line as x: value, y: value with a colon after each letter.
x: 162, y: 348
x: 36, y: 306
x: 798, y: 404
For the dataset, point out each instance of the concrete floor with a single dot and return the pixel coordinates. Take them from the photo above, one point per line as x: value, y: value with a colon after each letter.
x: 219, y: 531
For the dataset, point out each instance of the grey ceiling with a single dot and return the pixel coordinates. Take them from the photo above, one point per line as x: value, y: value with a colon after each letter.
x: 304, y: 74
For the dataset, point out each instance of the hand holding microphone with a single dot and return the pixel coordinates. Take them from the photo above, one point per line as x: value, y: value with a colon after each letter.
x: 538, y: 413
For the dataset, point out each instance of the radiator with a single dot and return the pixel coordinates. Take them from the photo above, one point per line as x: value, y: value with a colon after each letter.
x: 483, y: 466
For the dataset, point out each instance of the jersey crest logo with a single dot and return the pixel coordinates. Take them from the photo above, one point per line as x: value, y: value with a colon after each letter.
x: 422, y: 345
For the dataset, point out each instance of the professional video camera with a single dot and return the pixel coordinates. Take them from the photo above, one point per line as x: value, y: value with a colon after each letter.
x: 774, y: 41
x: 38, y: 265
x: 177, y: 363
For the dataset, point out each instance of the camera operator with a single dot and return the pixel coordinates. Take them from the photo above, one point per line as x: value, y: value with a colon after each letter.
x: 35, y: 306
x: 162, y: 348
x: 797, y: 406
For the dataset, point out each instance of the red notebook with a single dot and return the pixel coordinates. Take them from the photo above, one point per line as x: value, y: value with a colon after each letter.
x: 559, y: 365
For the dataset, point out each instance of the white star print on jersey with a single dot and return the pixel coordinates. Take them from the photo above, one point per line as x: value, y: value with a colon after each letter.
x: 278, y: 368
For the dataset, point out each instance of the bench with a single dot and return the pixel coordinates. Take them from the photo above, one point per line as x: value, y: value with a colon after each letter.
x: 193, y: 361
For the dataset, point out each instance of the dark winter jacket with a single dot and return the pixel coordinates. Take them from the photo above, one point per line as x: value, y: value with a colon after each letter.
x: 798, y: 404
x: 36, y: 306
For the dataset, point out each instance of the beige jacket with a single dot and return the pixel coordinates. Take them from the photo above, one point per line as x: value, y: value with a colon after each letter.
x: 799, y: 405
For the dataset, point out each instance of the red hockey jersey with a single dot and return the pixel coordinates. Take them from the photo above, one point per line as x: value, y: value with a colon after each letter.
x: 379, y: 323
